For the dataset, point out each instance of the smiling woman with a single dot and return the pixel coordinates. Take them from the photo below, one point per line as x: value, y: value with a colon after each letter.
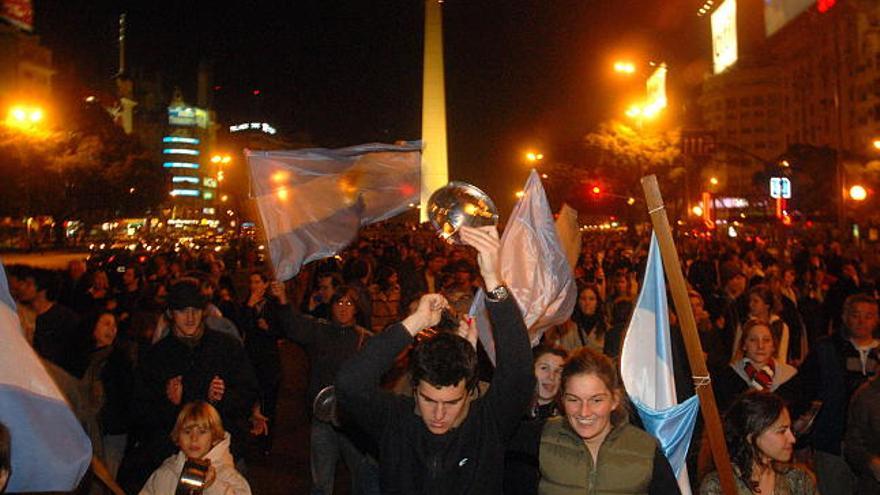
x: 757, y: 429
x: 596, y: 420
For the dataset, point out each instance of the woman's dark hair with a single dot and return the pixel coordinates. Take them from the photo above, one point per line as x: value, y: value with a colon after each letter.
x: 541, y: 349
x: 87, y: 325
x: 443, y: 360
x: 586, y: 361
x: 763, y: 291
x: 749, y: 416
x: 346, y: 291
x: 383, y: 276
x: 593, y: 323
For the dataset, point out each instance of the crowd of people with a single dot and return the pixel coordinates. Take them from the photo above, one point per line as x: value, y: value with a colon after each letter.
x: 177, y: 358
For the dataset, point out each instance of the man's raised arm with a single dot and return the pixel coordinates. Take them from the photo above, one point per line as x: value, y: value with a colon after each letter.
x: 358, y: 381
x: 513, y: 382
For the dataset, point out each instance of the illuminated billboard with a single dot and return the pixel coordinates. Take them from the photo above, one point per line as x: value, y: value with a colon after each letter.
x: 724, y: 46
x: 778, y: 13
x: 188, y: 116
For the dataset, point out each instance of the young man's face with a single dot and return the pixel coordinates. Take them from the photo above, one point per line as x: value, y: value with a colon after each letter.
x: 187, y: 321
x: 442, y: 408
x: 861, y: 320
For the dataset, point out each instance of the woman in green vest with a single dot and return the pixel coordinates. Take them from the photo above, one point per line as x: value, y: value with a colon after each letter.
x: 757, y: 430
x: 592, y: 448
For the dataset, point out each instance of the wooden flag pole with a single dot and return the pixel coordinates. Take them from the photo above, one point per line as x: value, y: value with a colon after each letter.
x: 702, y: 381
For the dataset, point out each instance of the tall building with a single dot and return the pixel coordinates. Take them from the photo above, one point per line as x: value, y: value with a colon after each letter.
x: 25, y: 67
x: 814, y: 80
x: 186, y: 146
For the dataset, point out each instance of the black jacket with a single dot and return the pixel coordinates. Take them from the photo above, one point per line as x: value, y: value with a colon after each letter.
x: 468, y: 459
x: 832, y: 372
x: 327, y: 344
x: 216, y: 354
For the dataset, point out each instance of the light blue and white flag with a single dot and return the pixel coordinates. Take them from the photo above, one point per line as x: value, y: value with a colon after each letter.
x: 647, y: 371
x: 50, y: 449
x: 534, y: 265
x: 313, y: 201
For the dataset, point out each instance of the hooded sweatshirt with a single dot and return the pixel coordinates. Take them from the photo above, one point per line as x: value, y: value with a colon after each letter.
x: 163, y: 481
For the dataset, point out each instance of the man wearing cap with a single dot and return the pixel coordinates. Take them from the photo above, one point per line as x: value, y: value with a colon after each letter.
x: 192, y: 363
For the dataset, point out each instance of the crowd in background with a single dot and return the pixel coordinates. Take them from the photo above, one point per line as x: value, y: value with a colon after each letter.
x: 132, y: 347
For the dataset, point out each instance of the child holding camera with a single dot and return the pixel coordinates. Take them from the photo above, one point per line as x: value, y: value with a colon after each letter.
x: 204, y: 464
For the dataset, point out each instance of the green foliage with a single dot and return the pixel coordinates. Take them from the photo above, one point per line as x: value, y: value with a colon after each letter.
x: 90, y: 170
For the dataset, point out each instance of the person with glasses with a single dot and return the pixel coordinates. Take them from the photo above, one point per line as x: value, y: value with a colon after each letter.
x: 328, y: 344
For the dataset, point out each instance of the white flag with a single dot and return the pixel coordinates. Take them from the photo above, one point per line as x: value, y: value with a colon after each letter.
x: 534, y: 267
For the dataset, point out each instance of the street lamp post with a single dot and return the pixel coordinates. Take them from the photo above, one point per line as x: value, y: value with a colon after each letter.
x: 25, y: 119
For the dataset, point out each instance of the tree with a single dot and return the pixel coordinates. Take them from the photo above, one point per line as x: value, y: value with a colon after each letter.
x: 615, y: 158
x: 90, y: 171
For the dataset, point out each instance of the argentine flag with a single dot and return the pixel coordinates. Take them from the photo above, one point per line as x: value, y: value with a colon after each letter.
x: 50, y: 450
x: 313, y: 201
x: 646, y: 369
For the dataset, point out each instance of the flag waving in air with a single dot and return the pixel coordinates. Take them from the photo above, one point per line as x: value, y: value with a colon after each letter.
x: 313, y: 201
x: 50, y: 450
x: 535, y: 267
x: 647, y: 370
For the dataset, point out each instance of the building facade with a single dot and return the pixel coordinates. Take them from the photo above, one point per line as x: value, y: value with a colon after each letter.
x: 814, y: 81
x: 193, y: 181
x: 25, y: 68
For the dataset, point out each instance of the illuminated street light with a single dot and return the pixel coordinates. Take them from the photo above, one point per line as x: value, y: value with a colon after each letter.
x: 697, y: 211
x: 713, y: 181
x: 858, y: 193
x: 876, y: 144
x: 24, y: 117
x: 519, y: 194
x: 624, y: 67
x: 534, y: 157
x: 596, y: 190
x: 224, y: 159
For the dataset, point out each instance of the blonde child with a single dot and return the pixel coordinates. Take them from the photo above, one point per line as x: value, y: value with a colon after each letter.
x: 199, y: 434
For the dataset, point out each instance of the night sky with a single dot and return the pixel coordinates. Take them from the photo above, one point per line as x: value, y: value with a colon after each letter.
x: 520, y: 74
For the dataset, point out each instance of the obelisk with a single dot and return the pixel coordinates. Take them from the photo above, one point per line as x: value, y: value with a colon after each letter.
x: 434, y: 157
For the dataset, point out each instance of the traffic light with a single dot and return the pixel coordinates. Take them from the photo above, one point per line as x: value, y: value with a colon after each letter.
x: 596, y: 190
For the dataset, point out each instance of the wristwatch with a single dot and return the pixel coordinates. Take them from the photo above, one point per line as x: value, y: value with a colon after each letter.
x: 498, y: 294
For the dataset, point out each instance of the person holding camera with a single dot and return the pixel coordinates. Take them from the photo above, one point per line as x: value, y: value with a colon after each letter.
x: 203, y: 465
x: 444, y: 439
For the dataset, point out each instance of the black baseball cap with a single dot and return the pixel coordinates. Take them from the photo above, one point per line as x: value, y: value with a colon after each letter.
x: 185, y: 294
